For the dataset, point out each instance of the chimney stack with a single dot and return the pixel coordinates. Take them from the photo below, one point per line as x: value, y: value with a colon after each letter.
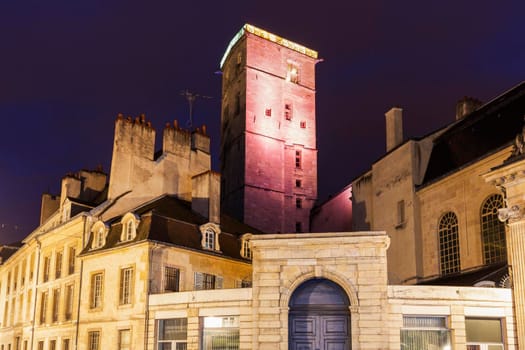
x: 394, y: 128
x: 206, y: 195
x: 465, y: 106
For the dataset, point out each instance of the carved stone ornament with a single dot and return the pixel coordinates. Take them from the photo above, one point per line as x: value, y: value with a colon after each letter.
x: 519, y: 143
x: 513, y: 213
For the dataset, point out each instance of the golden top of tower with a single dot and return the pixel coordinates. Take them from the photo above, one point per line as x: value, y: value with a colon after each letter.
x: 268, y: 36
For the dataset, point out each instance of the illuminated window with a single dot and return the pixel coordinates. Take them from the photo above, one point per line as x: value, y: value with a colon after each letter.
x: 126, y: 284
x: 449, y: 244
x: 93, y: 340
x: 171, y: 279
x: 69, y: 302
x: 288, y: 111
x: 58, y: 264
x: 484, y: 334
x: 298, y: 159
x: 97, y: 284
x: 206, y: 281
x: 425, y: 332
x: 303, y: 124
x: 124, y: 339
x: 56, y: 300
x: 298, y: 203
x: 493, y: 231
x: 268, y: 112
x: 43, y: 307
x: 172, y: 333
x: 292, y: 73
x: 47, y: 264
x: 223, y: 330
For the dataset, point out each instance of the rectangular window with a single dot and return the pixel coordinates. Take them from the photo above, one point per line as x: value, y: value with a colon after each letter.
x: 484, y: 334
x: 205, y: 281
x: 220, y: 330
x: 56, y: 302
x: 126, y: 280
x: 58, y: 265
x: 298, y: 159
x: 25, y: 344
x: 46, y: 268
x: 246, y: 249
x: 23, y: 273
x: 288, y: 111
x: 268, y: 112
x: 17, y: 343
x: 68, y: 312
x: 95, y: 299
x: 298, y: 203
x: 43, y: 307
x: 292, y: 73
x: 243, y: 284
x: 93, y: 340
x: 31, y: 266
x: 29, y: 301
x: 52, y: 345
x: 71, y: 260
x: 303, y: 124
x: 8, y: 282
x: 425, y: 332
x: 172, y: 334
x: 298, y: 183
x: 171, y: 279
x: 209, y: 239
x: 124, y: 339
x: 65, y: 344
x: 41, y: 345
x: 15, y: 279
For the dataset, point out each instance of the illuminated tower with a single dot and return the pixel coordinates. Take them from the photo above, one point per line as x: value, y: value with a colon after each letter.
x: 268, y: 142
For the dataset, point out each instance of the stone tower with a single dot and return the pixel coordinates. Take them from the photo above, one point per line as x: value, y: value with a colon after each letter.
x: 268, y: 137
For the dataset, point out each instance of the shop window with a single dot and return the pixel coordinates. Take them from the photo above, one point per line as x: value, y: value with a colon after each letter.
x: 220, y: 333
x: 425, y: 332
x: 484, y: 334
x: 172, y: 334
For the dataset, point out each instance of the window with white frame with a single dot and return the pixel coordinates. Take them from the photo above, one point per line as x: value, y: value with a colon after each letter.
x: 96, y: 290
x: 209, y: 242
x: 246, y: 250
x: 206, y: 281
x: 129, y: 227
x: 172, y: 334
x: 484, y: 333
x: 220, y: 332
x: 210, y: 236
x: 425, y: 332
x: 126, y: 285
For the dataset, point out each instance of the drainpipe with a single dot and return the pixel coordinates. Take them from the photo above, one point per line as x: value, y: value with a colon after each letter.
x: 80, y: 286
x: 148, y: 292
x: 35, y: 279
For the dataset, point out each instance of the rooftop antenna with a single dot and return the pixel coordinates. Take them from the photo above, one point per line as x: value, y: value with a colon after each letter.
x: 191, y: 97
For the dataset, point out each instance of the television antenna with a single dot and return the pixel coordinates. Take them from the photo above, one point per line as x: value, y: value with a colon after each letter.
x: 191, y: 97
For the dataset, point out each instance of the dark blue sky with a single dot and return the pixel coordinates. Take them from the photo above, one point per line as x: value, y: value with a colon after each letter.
x: 68, y: 67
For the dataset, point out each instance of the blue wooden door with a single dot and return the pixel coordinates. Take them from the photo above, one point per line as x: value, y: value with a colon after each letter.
x: 319, y: 318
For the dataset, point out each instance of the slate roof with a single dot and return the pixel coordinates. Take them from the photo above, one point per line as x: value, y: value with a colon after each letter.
x: 171, y: 221
x: 487, y: 129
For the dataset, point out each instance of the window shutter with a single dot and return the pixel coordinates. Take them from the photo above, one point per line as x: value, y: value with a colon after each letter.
x: 218, y: 282
x: 199, y: 278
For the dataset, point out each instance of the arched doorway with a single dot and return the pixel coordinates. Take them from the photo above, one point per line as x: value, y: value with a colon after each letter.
x: 319, y: 317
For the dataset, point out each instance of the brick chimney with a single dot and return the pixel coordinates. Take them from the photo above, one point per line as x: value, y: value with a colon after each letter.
x: 465, y: 106
x: 394, y: 128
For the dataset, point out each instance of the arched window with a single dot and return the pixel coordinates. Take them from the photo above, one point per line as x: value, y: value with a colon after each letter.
x: 99, y: 232
x: 492, y: 231
x: 129, y: 227
x: 448, y: 244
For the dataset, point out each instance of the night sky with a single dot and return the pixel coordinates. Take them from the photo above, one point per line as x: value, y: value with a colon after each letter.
x: 68, y: 67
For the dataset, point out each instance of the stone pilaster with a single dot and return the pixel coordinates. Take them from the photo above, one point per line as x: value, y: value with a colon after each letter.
x: 510, y: 178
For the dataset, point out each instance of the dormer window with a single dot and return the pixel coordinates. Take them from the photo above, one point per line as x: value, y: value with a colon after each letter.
x: 210, y: 236
x: 129, y: 227
x: 246, y: 250
x: 99, y: 232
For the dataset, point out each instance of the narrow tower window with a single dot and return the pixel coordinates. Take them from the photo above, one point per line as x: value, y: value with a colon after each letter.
x: 268, y: 112
x: 298, y: 159
x: 292, y: 74
x: 288, y: 111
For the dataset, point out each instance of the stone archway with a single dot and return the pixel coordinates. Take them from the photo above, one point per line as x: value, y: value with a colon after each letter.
x: 319, y: 317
